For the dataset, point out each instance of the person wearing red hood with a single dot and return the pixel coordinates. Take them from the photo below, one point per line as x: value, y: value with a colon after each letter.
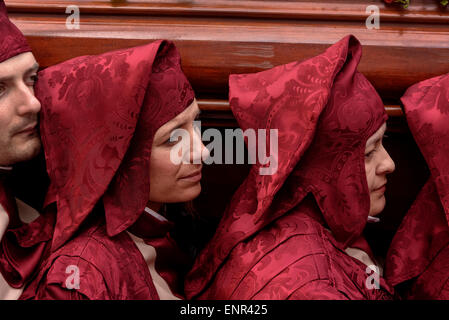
x: 106, y: 127
x: 297, y: 234
x: 417, y: 261
x: 22, y: 237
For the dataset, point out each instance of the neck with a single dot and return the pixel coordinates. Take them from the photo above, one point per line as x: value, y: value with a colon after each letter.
x: 155, y: 206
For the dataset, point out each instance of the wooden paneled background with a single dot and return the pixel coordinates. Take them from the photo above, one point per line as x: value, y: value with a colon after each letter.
x: 217, y: 38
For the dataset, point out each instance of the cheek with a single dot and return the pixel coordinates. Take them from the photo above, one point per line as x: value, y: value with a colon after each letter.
x: 6, y: 117
x: 370, y: 174
x: 162, y: 170
x: 5, y: 128
x: 3, y: 132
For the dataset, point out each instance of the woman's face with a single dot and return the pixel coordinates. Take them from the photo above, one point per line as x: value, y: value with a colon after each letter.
x: 378, y: 164
x: 176, y: 182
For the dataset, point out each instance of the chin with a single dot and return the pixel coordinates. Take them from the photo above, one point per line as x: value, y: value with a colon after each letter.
x: 179, y: 195
x: 29, y: 151
x: 192, y: 193
x: 377, y: 206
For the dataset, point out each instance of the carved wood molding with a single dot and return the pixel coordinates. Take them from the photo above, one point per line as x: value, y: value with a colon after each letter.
x: 420, y: 11
x: 218, y: 38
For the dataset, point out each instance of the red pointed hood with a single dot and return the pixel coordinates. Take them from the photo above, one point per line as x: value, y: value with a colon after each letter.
x: 98, y: 119
x: 426, y: 107
x: 324, y: 111
x: 12, y: 41
x: 424, y: 230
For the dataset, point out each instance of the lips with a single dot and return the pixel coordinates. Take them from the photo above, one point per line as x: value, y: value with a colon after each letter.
x: 381, y: 188
x: 28, y: 129
x: 193, y: 177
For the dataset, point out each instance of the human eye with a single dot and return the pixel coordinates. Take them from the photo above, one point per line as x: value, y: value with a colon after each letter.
x: 32, y: 79
x: 173, y: 139
x: 2, y: 89
x: 369, y: 154
x: 171, y: 142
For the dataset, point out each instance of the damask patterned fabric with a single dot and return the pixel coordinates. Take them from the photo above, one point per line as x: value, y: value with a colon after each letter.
x: 418, y: 258
x: 12, y: 41
x: 22, y: 245
x: 99, y: 116
x: 284, y: 235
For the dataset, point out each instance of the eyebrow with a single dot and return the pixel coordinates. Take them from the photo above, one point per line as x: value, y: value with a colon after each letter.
x: 174, y: 126
x: 179, y: 122
x: 375, y: 139
x: 8, y: 78
x: 33, y: 68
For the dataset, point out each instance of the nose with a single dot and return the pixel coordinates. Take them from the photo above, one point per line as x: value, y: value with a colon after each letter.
x: 198, y: 151
x: 27, y: 102
x: 386, y: 165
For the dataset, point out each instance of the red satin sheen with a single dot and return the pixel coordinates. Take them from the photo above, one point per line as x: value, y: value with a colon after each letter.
x: 419, y: 252
x: 99, y: 116
x: 283, y: 236
x: 110, y: 268
x: 12, y: 41
x: 23, y: 246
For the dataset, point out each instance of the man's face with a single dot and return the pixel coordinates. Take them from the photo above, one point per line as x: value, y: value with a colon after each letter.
x: 19, y: 135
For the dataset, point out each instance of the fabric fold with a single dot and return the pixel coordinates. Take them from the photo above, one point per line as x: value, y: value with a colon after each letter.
x: 419, y: 251
x: 324, y: 111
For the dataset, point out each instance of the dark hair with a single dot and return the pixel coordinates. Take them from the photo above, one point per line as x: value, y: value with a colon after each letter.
x: 191, y: 232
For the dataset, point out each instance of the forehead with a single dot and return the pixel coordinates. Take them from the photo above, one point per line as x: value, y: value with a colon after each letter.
x: 187, y: 115
x: 190, y: 112
x: 377, y: 135
x: 17, y: 65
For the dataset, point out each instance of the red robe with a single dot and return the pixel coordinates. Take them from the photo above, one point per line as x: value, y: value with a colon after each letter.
x: 110, y: 268
x: 285, y: 235
x: 295, y: 257
x: 98, y: 120
x: 23, y: 245
x: 418, y: 258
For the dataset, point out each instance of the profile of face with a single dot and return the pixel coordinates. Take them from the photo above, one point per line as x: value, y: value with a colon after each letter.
x: 378, y: 164
x: 19, y: 108
x: 172, y: 182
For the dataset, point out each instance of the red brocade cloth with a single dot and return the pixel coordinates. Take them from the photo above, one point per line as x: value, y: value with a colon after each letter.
x: 99, y: 116
x: 418, y: 258
x: 110, y: 268
x: 12, y: 41
x: 284, y: 235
